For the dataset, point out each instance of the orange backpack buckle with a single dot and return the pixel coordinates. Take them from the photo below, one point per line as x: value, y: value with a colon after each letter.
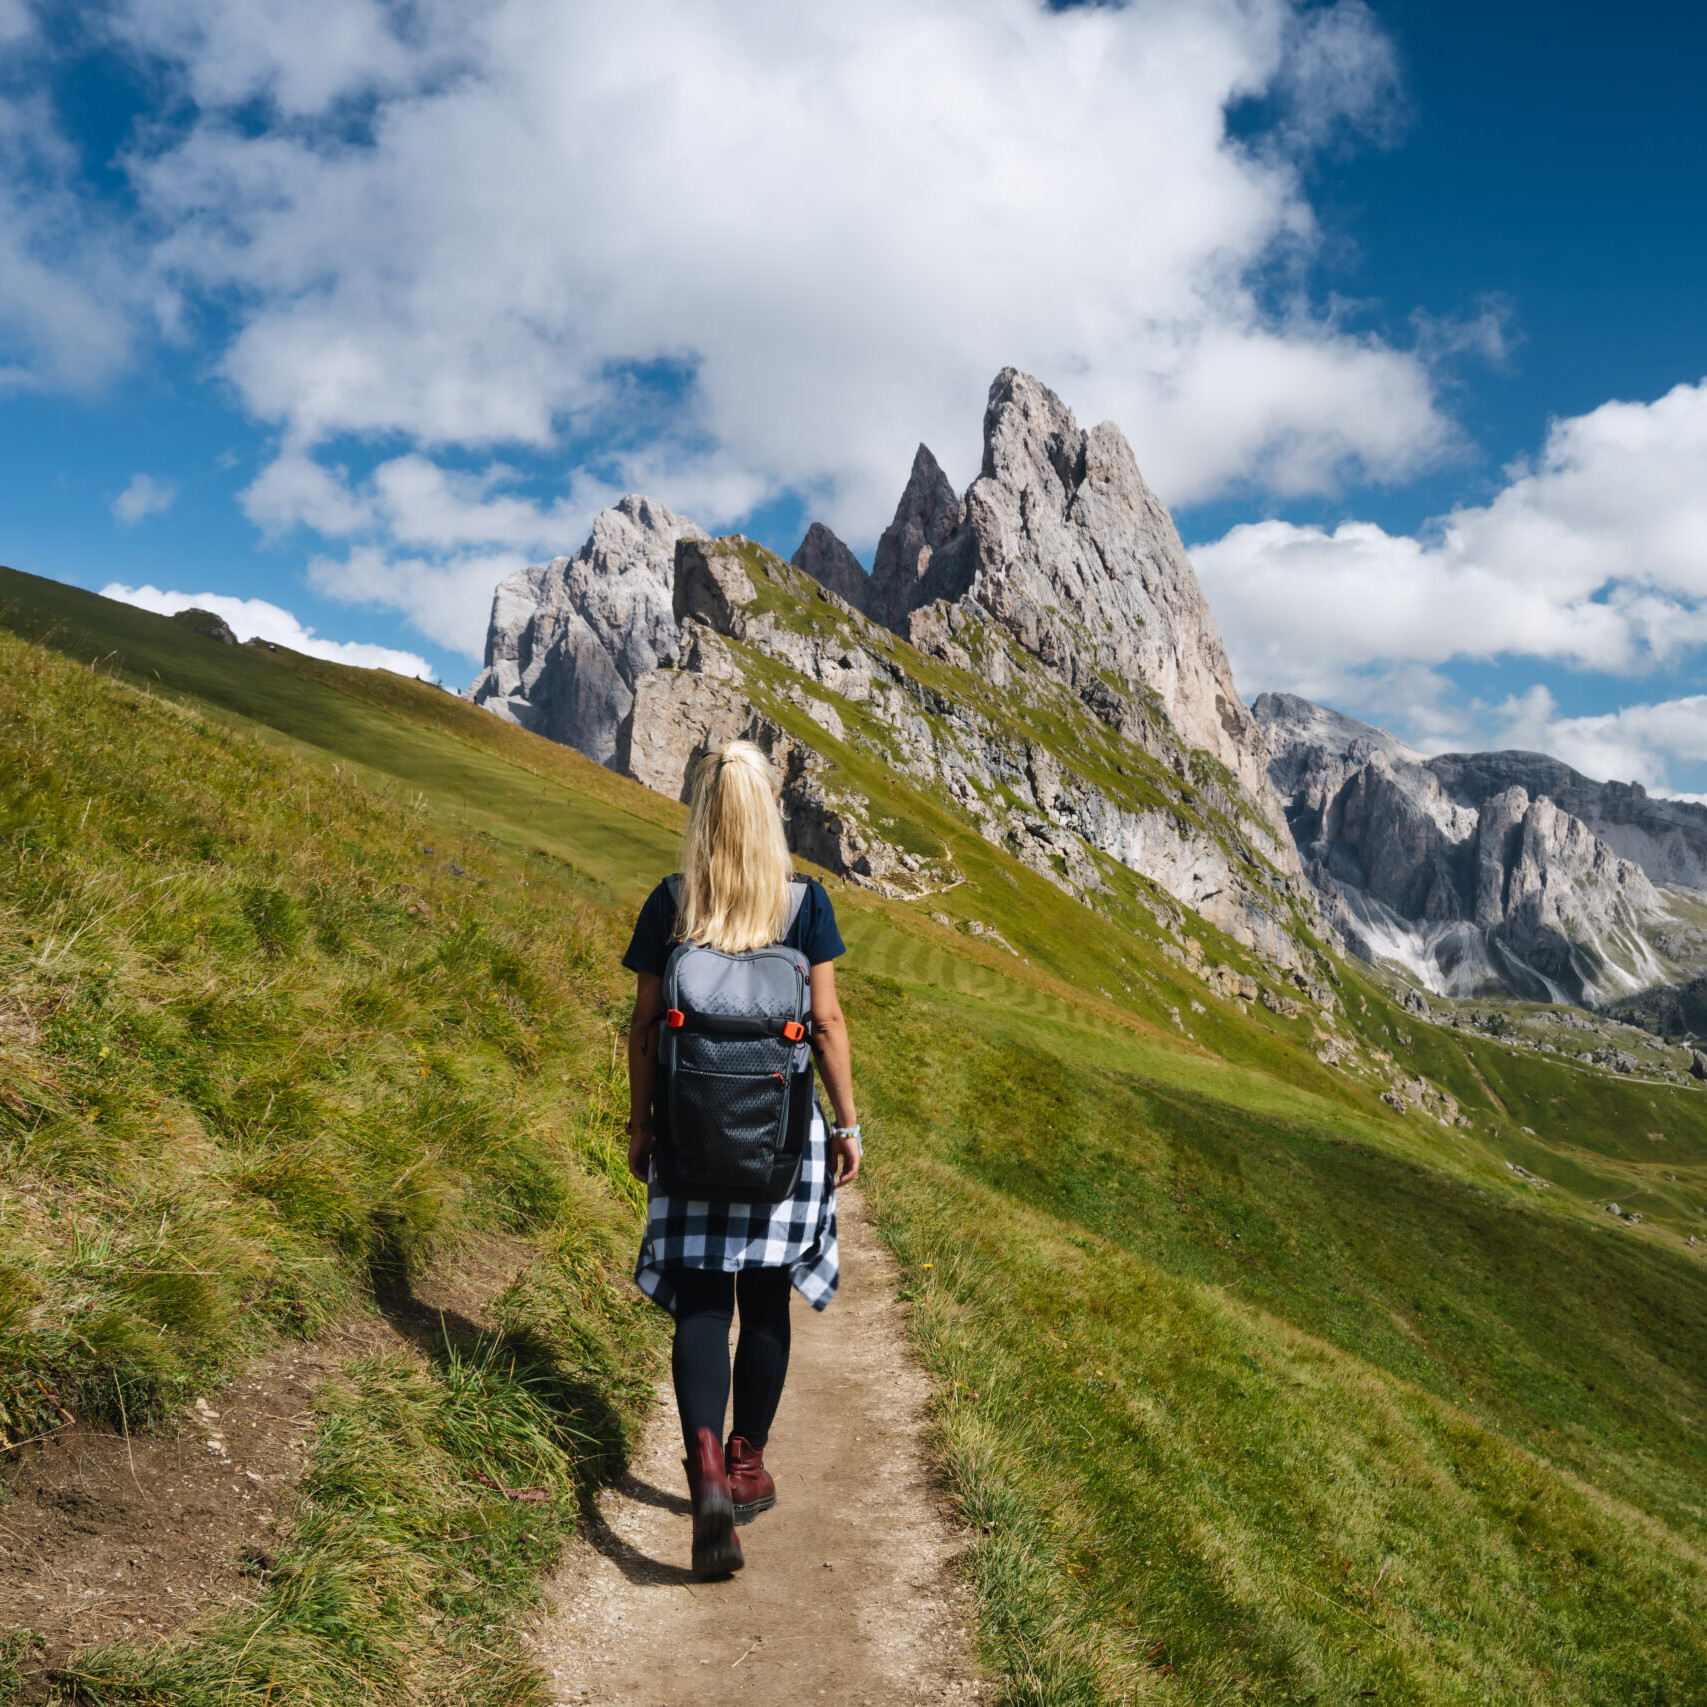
x: 793, y: 1030
x: 675, y: 1019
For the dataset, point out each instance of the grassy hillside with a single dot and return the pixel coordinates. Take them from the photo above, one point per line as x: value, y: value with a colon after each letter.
x: 1257, y: 1410
x: 1256, y: 1387
x: 266, y: 1048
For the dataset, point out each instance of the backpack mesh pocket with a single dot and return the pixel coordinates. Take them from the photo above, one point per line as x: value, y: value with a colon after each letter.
x: 757, y: 1057
x: 727, y: 1127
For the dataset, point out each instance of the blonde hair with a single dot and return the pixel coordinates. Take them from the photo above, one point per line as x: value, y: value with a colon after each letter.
x: 735, y: 864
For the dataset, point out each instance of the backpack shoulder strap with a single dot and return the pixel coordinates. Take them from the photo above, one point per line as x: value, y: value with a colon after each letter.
x: 796, y: 900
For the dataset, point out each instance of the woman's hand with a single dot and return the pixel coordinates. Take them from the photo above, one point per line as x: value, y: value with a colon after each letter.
x: 844, y: 1158
x: 640, y: 1149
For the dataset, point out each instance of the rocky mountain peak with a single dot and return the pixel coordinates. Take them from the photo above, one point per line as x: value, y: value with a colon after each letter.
x: 1301, y: 733
x: 1063, y: 543
x: 829, y: 562
x: 925, y: 519
x: 1031, y: 441
x: 569, y: 639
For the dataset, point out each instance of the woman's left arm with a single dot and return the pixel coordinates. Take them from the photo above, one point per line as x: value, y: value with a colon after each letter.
x: 642, y: 1031
x: 835, y: 1062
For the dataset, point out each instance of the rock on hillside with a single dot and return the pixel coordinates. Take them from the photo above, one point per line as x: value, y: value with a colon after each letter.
x: 1060, y: 541
x: 829, y: 562
x: 569, y: 639
x: 206, y: 624
x: 1464, y: 871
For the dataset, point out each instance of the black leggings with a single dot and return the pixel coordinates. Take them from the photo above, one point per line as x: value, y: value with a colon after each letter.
x: 699, y: 1361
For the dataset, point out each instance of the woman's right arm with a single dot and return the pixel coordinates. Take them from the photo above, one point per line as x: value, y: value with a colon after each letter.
x: 642, y: 1047
x: 835, y: 1064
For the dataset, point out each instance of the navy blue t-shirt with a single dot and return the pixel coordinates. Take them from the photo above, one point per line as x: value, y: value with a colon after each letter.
x: 813, y: 932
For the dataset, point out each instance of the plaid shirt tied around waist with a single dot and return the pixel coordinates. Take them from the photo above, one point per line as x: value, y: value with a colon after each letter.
x: 798, y: 1234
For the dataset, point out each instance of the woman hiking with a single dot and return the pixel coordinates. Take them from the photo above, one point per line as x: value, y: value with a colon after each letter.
x: 734, y: 983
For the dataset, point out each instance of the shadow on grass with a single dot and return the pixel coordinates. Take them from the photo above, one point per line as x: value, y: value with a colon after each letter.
x: 431, y: 1330
x: 589, y: 1428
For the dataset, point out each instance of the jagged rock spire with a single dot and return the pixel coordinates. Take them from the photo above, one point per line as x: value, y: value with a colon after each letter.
x: 926, y: 518
x: 569, y: 639
x: 829, y: 562
x: 1060, y: 540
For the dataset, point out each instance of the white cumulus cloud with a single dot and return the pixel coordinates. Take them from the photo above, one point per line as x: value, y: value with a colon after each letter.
x: 144, y: 496
x: 67, y: 302
x: 1594, y: 555
x: 251, y: 619
x: 448, y: 598
x: 725, y: 249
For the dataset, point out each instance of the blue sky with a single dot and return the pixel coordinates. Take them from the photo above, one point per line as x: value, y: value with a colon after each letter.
x: 380, y: 303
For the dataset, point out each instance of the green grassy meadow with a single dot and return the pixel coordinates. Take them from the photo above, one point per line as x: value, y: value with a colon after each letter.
x: 267, y: 1046
x: 1253, y: 1388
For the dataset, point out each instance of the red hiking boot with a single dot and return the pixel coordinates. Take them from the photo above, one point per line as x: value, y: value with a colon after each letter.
x: 750, y: 1486
x: 716, y: 1552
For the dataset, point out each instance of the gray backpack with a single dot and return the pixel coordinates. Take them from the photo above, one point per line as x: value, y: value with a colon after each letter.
x: 733, y: 1093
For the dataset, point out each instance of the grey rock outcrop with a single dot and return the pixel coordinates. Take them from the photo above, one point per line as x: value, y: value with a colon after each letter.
x: 206, y: 624
x: 1060, y: 540
x: 699, y: 699
x: 710, y: 584
x: 1672, y: 1010
x: 926, y: 518
x: 1470, y: 888
x: 829, y: 562
x: 570, y: 639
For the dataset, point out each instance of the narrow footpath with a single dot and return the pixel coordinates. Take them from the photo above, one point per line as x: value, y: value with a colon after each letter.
x: 849, y: 1594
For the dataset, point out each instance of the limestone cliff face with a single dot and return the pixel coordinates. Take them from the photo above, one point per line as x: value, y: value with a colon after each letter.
x: 1061, y: 541
x: 1472, y: 889
x: 569, y: 639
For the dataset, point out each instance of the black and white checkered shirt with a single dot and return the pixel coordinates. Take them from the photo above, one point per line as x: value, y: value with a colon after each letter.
x: 799, y: 1233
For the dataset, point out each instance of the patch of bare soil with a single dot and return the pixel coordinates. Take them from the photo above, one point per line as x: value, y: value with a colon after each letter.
x: 104, y: 1537
x: 849, y: 1594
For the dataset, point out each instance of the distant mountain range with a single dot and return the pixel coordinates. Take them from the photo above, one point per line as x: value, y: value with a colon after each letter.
x: 1483, y: 873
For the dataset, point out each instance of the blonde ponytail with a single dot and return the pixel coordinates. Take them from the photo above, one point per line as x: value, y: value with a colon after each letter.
x: 735, y: 864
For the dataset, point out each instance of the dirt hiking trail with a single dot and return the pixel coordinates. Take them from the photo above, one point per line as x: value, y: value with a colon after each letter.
x: 849, y: 1594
